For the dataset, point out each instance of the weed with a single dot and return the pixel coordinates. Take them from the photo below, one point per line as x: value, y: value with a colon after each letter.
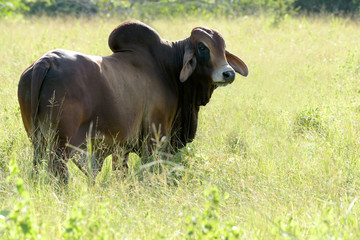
x: 18, y: 222
x: 237, y: 144
x: 208, y: 224
x: 310, y: 120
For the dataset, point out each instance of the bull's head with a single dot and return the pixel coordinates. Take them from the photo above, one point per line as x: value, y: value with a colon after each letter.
x: 206, y: 55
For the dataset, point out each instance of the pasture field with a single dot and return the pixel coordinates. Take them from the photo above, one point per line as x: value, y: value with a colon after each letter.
x: 276, y: 154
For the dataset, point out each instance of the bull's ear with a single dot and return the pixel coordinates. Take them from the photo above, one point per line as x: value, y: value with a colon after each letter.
x: 189, y: 64
x: 237, y: 64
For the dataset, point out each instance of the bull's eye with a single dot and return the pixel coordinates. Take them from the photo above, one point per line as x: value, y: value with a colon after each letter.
x: 202, y: 53
x: 202, y: 48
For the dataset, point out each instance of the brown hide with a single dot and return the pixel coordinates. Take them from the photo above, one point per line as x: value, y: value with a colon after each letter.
x: 148, y: 88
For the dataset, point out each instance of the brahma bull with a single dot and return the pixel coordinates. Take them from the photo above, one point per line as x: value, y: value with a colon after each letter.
x: 149, y: 88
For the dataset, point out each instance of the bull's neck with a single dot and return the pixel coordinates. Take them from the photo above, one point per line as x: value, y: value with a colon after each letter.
x: 185, y: 123
x: 173, y: 58
x: 179, y: 51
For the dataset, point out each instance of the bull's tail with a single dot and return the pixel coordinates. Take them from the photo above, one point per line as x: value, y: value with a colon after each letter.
x: 41, y: 67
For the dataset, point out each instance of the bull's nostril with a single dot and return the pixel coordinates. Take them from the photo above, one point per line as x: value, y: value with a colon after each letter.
x: 229, y: 76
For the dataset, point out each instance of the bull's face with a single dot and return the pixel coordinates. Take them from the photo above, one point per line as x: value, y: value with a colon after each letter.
x: 206, y: 55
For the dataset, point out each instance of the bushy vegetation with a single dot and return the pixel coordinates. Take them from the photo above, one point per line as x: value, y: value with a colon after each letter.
x: 155, y: 8
x: 334, y: 6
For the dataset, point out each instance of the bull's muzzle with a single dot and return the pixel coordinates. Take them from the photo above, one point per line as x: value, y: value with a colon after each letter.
x: 229, y: 76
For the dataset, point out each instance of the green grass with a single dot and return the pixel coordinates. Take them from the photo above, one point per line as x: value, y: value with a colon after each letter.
x: 276, y: 155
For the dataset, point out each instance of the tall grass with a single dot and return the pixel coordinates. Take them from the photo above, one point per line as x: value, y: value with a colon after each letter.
x: 276, y: 155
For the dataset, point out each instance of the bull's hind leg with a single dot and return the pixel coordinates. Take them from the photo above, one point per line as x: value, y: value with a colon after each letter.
x: 58, y: 163
x: 44, y: 142
x: 65, y: 115
x: 39, y: 145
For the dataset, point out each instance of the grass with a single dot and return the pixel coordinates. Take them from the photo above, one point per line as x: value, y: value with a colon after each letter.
x: 276, y: 155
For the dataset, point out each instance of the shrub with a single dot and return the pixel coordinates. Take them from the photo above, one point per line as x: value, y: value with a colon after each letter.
x: 334, y: 6
x: 309, y: 120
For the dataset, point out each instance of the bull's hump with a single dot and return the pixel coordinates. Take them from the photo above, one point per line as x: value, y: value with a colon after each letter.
x: 132, y: 34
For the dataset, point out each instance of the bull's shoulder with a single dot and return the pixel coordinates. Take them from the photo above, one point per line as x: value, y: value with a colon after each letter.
x: 133, y: 34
